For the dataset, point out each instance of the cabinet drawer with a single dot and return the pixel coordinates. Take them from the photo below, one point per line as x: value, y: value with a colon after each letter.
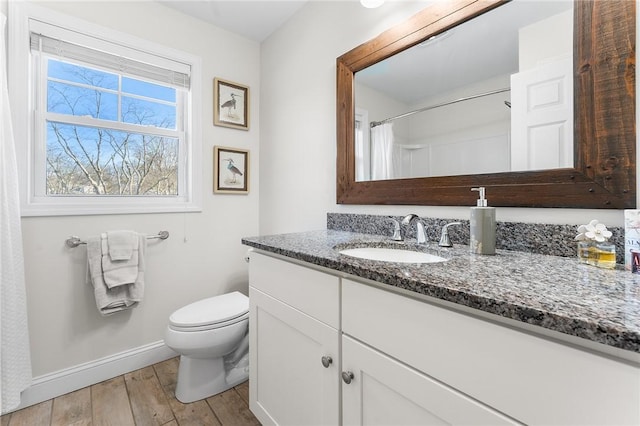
x: 315, y: 293
x: 529, y: 378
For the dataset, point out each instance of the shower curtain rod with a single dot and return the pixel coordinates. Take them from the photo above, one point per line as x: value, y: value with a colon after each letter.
x: 493, y: 92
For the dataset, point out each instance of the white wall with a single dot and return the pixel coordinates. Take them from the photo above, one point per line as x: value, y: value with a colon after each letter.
x: 298, y: 126
x: 545, y: 39
x: 380, y: 106
x: 298, y: 138
x: 462, y: 138
x: 203, y: 256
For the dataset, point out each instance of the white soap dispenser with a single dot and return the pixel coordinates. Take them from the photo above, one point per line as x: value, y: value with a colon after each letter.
x: 483, y: 226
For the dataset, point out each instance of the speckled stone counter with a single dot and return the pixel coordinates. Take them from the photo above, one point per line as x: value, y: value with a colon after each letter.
x: 553, y: 292
x: 556, y: 240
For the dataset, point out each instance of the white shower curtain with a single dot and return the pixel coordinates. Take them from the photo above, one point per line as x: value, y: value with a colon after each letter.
x: 15, y: 358
x: 359, y: 151
x: 382, y: 151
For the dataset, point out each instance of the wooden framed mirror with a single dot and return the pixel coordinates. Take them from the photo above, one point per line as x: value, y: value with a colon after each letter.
x: 604, y: 171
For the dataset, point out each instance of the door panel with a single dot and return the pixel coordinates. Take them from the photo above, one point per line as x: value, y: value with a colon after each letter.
x: 385, y: 391
x: 542, y: 117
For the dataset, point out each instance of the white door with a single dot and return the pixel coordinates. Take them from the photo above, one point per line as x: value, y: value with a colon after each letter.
x: 384, y: 391
x: 542, y: 117
x: 289, y: 384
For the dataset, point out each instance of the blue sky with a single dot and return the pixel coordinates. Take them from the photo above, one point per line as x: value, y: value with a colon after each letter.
x: 103, y: 104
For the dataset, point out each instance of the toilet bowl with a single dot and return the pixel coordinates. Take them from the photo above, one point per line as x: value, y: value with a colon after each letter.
x: 211, y: 336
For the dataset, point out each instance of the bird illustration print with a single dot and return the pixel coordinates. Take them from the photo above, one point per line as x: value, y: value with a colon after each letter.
x: 230, y: 104
x: 233, y: 170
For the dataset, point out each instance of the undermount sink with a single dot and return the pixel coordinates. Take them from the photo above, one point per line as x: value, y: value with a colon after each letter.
x: 392, y: 255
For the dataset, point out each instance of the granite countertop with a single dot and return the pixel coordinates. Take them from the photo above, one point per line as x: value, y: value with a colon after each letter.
x: 553, y: 292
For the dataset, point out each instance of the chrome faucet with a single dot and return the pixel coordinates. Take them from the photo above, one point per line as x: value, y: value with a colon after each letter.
x: 444, y: 237
x: 421, y: 235
x: 397, y: 235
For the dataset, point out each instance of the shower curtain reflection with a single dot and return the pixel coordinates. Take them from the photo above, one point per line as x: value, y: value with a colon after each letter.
x: 382, y: 159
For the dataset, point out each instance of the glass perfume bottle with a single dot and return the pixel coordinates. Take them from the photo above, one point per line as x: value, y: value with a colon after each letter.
x: 594, y: 247
x: 586, y: 251
x: 606, y: 255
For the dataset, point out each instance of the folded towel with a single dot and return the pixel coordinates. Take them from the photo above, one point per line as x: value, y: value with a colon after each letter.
x: 120, y: 272
x: 110, y: 301
x: 122, y: 244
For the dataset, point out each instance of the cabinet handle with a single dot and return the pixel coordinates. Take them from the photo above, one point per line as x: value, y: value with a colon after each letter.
x: 347, y: 376
x: 327, y: 361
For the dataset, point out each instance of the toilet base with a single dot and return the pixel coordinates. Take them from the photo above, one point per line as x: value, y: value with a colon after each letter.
x: 201, y: 378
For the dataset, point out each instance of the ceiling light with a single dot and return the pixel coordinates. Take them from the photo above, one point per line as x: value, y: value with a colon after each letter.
x: 436, y: 38
x: 371, y: 4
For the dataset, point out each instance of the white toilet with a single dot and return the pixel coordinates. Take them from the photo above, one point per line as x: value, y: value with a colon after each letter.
x: 211, y: 336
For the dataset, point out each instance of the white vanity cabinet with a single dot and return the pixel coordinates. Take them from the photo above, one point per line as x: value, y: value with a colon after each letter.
x: 294, y: 343
x: 530, y: 379
x: 408, y: 361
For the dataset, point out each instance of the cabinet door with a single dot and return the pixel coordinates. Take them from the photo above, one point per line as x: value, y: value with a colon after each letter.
x: 384, y: 391
x: 289, y: 385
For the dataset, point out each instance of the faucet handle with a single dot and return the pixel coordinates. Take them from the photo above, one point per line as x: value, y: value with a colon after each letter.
x: 397, y: 236
x: 444, y: 237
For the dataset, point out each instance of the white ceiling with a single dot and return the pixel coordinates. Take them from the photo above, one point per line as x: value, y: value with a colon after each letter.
x: 482, y: 48
x: 254, y: 19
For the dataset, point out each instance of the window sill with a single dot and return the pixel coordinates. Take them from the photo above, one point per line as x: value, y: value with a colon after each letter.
x: 95, y: 206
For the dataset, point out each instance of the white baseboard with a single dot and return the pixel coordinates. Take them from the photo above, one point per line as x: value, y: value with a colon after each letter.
x: 77, y: 377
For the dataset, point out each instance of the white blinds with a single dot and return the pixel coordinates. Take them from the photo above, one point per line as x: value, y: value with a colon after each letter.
x: 117, y: 63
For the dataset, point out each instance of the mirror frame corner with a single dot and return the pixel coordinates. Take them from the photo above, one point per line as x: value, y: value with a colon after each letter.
x: 604, y: 172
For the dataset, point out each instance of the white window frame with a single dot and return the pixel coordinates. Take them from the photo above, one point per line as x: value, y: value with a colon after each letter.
x: 363, y: 170
x: 30, y: 143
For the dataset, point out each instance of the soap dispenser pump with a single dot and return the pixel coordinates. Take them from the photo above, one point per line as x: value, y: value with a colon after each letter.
x: 483, y: 226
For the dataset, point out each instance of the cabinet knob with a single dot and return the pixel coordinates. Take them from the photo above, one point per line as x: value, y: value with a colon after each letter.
x: 347, y: 376
x: 327, y: 361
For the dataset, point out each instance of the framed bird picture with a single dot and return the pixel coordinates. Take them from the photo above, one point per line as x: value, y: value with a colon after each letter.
x: 230, y: 170
x: 230, y: 104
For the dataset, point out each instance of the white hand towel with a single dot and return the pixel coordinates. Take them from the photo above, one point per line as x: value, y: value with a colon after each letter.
x: 119, y: 272
x: 110, y: 301
x: 122, y: 244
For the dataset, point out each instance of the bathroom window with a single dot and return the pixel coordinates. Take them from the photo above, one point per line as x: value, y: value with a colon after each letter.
x: 113, y: 124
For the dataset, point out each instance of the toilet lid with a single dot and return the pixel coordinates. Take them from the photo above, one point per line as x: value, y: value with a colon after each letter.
x: 214, y: 310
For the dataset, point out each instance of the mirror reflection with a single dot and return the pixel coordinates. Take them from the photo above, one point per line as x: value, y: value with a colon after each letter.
x: 492, y: 95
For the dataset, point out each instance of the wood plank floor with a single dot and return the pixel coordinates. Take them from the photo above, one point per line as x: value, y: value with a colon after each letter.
x: 142, y: 397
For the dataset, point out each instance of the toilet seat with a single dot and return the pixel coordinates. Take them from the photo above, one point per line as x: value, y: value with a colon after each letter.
x: 214, y: 312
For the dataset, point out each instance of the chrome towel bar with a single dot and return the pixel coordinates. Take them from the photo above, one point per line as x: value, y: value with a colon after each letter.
x: 74, y: 241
